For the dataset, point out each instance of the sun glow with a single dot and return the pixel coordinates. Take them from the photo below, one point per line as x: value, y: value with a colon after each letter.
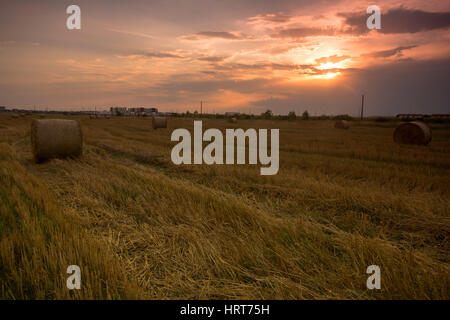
x: 329, y: 70
x: 330, y: 65
x: 328, y: 75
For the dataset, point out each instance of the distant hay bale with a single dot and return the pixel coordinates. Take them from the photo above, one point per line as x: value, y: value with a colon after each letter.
x: 412, y: 133
x: 232, y: 120
x: 159, y: 122
x: 56, y: 138
x: 15, y: 116
x: 342, y: 124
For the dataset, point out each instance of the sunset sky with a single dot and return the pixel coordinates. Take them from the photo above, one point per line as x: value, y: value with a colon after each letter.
x: 235, y: 55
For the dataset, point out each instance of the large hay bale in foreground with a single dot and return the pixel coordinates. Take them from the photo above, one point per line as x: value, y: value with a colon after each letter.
x: 56, y: 138
x: 159, y: 122
x: 412, y: 133
x: 342, y: 124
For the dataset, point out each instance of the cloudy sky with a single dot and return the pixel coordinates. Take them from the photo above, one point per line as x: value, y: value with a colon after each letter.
x: 235, y: 55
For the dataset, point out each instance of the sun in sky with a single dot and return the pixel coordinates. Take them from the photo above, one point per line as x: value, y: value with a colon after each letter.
x: 330, y: 65
x: 329, y: 75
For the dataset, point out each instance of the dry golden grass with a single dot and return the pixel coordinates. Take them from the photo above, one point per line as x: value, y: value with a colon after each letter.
x: 141, y: 227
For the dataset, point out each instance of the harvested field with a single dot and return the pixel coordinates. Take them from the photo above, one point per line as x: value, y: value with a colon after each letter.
x: 141, y: 227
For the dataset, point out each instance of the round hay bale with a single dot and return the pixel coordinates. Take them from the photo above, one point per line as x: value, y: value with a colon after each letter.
x: 412, y: 133
x: 56, y: 138
x: 15, y: 116
x: 232, y: 120
x: 159, y: 122
x: 341, y: 124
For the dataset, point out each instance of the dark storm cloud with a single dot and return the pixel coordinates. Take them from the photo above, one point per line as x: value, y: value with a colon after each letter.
x: 220, y: 35
x: 333, y: 59
x: 304, y: 32
x: 312, y: 70
x: 254, y: 66
x: 278, y: 17
x: 212, y: 58
x: 399, y: 20
x: 407, y: 86
x: 155, y: 54
x: 199, y: 86
x: 388, y: 53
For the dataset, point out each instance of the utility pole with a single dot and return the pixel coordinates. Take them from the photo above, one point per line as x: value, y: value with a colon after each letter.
x: 362, y: 107
x: 201, y: 107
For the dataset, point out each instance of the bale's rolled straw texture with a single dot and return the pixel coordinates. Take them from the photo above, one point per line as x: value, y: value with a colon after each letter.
x: 56, y: 138
x: 412, y: 133
x: 159, y: 122
x: 342, y: 124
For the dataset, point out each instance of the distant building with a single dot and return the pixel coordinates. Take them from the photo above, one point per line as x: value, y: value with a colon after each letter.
x: 132, y: 111
x: 440, y: 116
x: 151, y: 111
x: 420, y: 116
x: 410, y: 115
x: 2, y: 108
x: 231, y: 114
x: 118, y: 111
x: 141, y: 111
